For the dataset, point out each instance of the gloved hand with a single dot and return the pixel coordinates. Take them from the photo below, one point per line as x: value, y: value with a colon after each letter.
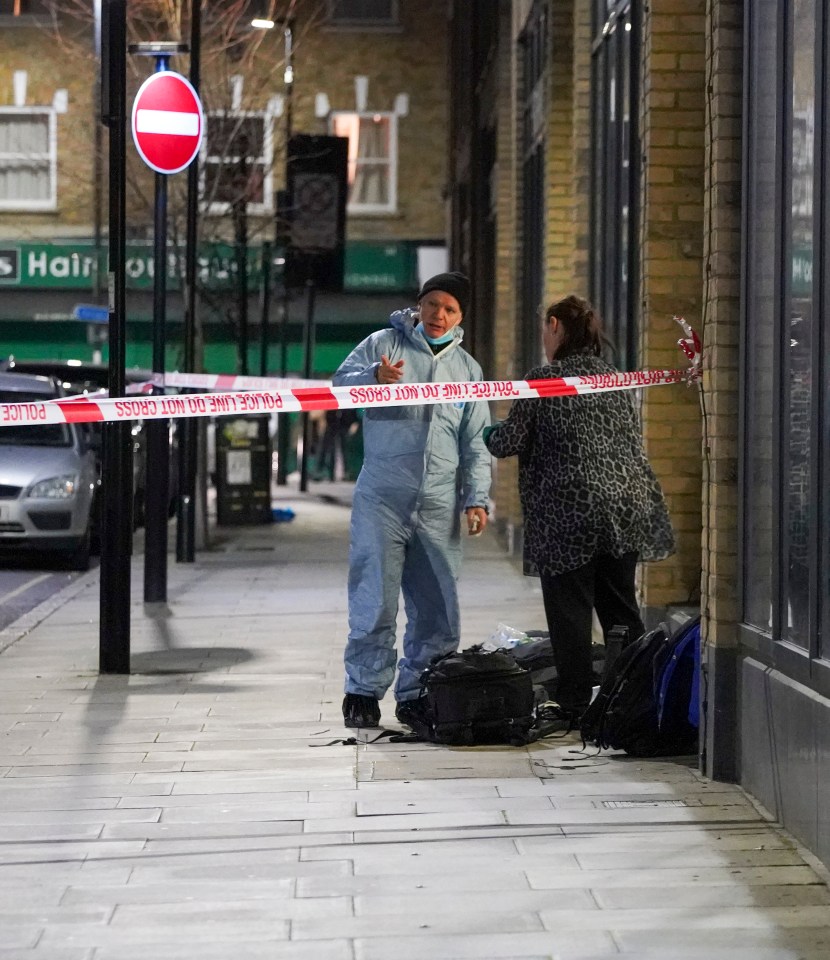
x: 485, y: 433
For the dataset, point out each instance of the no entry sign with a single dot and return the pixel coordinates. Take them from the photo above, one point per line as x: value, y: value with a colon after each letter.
x: 167, y: 122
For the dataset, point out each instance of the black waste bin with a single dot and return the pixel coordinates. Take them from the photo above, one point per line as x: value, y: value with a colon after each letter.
x: 243, y: 471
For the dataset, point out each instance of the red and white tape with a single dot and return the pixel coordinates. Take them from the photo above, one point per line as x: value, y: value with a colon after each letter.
x: 692, y: 348
x: 248, y: 402
x: 690, y: 345
x: 257, y: 395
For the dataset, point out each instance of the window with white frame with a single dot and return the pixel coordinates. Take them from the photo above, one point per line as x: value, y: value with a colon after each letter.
x: 237, y: 161
x: 377, y: 14
x: 28, y: 158
x: 373, y: 160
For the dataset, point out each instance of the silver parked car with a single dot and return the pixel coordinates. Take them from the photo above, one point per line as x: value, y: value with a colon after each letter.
x: 48, y: 478
x: 82, y: 376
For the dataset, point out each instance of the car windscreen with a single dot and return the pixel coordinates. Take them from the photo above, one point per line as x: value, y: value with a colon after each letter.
x: 42, y: 435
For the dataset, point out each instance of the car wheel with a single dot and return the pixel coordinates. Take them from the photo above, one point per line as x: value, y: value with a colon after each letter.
x: 95, y: 532
x: 78, y: 559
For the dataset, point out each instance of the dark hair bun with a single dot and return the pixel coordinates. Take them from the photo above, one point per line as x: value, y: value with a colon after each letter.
x: 582, y: 325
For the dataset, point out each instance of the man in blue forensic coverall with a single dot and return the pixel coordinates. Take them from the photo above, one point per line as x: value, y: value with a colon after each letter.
x: 423, y: 465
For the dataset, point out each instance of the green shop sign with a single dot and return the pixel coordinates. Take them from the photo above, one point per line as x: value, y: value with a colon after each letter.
x: 370, y: 267
x: 381, y: 267
x: 74, y: 267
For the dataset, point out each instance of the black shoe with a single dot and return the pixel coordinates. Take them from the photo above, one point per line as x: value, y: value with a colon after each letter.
x: 360, y: 711
x: 413, y: 713
x: 553, y: 717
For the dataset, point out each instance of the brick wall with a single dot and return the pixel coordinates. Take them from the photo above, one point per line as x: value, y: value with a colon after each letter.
x: 567, y: 200
x: 54, y: 64
x: 412, y: 60
x: 672, y: 125
x: 560, y: 238
x: 581, y: 140
x: 505, y: 335
x: 722, y: 247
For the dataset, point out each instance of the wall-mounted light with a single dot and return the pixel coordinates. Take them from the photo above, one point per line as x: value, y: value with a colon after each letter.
x: 261, y: 18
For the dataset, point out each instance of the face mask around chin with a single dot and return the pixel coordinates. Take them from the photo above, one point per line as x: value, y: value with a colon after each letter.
x: 434, y: 340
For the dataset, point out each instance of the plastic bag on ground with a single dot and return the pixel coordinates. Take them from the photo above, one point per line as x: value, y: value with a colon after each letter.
x: 504, y: 638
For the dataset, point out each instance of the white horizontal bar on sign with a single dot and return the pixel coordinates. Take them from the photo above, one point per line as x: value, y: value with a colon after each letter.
x: 167, y: 121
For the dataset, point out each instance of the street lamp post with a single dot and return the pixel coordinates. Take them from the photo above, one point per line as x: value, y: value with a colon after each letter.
x: 188, y: 428
x: 267, y: 23
x: 116, y: 536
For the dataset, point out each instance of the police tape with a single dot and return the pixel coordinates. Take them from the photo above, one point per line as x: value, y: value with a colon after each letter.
x: 324, y: 397
x: 690, y: 345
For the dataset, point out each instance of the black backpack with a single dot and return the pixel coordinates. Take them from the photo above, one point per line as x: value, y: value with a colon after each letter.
x: 646, y: 704
x: 477, y: 697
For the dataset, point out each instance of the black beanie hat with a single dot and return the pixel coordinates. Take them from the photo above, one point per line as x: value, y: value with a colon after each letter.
x: 455, y: 284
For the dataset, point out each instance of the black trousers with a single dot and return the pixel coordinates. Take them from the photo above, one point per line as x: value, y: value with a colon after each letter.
x: 606, y: 585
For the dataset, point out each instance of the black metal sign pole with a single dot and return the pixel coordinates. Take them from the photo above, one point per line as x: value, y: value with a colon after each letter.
x: 158, y: 442
x: 188, y: 432
x: 308, y: 372
x: 284, y: 218
x: 116, y: 513
x: 265, y: 318
x: 241, y: 251
x: 158, y: 445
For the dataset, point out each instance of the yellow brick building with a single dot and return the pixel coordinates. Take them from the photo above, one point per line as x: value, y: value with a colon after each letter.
x: 669, y: 158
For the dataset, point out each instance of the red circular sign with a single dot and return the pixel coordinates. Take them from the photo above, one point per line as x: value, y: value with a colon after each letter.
x: 167, y: 122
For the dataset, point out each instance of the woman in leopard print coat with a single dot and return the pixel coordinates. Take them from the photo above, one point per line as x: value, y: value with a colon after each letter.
x: 592, y: 505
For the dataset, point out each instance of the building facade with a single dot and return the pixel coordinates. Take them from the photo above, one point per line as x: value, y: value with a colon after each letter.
x: 667, y: 158
x: 551, y: 121
x: 661, y: 158
x: 372, y: 73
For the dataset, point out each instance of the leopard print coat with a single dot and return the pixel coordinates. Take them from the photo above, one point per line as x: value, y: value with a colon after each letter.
x: 585, y: 484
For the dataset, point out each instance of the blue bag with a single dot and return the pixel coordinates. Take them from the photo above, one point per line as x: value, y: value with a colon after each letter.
x: 678, y: 683
x: 648, y: 703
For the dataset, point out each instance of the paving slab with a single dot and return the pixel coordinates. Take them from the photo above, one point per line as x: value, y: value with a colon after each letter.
x: 205, y: 807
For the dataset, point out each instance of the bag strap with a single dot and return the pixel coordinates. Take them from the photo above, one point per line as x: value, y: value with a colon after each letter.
x: 393, y: 736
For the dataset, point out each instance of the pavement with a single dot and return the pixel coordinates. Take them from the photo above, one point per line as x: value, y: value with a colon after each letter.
x: 202, y: 809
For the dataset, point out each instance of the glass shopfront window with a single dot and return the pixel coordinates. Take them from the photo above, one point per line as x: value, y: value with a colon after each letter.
x: 760, y: 249
x: 786, y: 309
x: 614, y: 170
x: 534, y: 59
x: 797, y: 341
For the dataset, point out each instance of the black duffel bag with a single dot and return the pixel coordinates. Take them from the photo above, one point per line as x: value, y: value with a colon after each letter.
x: 476, y: 697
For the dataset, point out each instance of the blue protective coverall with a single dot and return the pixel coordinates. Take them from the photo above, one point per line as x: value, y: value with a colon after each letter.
x: 422, y: 466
